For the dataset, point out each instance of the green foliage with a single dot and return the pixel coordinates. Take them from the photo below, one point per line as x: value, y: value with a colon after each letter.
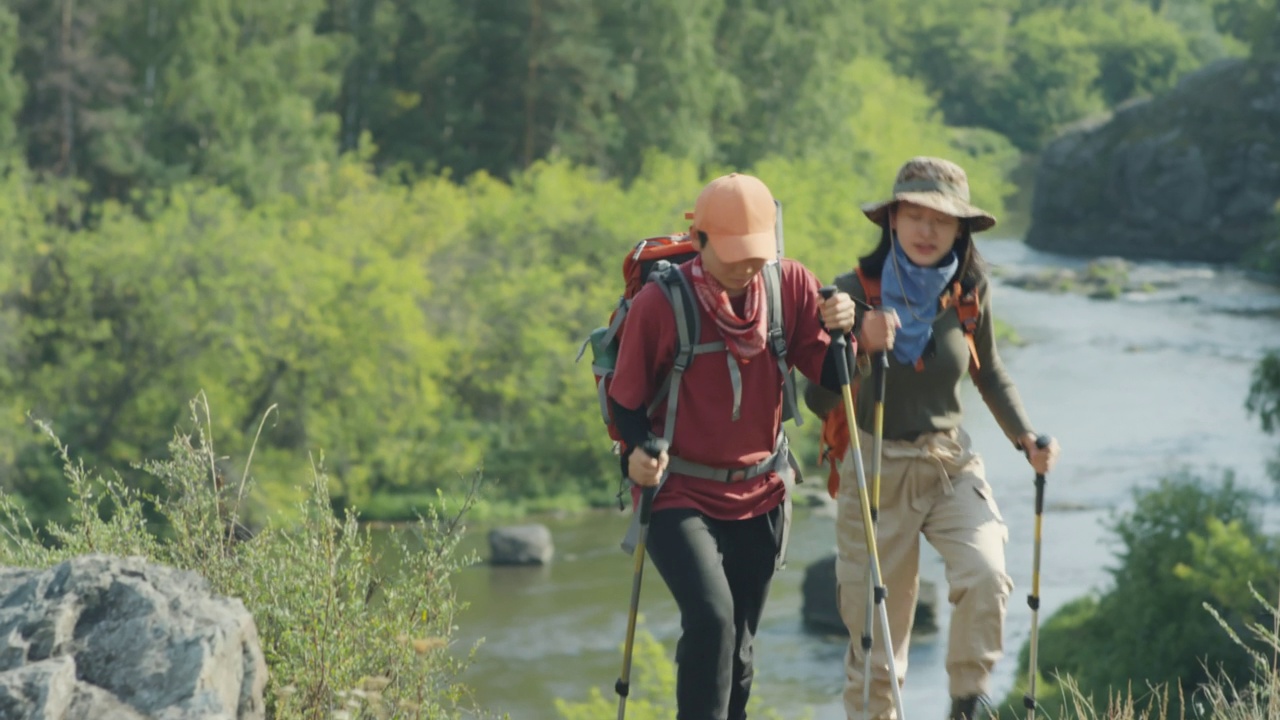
x: 1257, y: 697
x: 653, y: 689
x: 277, y: 306
x: 1185, y: 544
x: 141, y: 94
x: 11, y: 86
x: 1056, y: 63
x: 1140, y: 53
x: 1264, y: 392
x: 144, y: 93
x: 885, y: 120
x: 1053, y: 74
x: 340, y: 626
x: 412, y: 308
x: 1255, y: 22
x: 1264, y: 401
x: 409, y: 333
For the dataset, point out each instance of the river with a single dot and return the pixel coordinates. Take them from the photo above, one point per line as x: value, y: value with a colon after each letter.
x: 1133, y: 388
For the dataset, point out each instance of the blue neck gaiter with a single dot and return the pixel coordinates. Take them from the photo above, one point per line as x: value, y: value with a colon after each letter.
x: 913, y: 292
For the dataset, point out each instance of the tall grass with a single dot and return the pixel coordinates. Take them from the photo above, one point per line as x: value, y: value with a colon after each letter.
x: 1219, y: 699
x: 345, y: 633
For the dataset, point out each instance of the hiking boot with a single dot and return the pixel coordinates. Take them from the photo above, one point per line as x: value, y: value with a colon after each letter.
x: 969, y: 707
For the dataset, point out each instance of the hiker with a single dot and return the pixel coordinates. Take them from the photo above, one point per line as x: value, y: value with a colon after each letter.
x: 718, y: 526
x: 934, y: 321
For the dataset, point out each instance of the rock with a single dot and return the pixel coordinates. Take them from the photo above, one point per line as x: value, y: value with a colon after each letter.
x: 521, y: 545
x: 820, y: 613
x: 120, y: 639
x: 1191, y: 175
x: 816, y: 500
x: 1104, y: 278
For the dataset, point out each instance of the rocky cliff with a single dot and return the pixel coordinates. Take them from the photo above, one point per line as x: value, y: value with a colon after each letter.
x: 1191, y: 175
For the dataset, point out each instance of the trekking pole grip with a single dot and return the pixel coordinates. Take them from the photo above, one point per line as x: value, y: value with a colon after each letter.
x: 654, y: 447
x: 1042, y: 442
x: 838, y: 340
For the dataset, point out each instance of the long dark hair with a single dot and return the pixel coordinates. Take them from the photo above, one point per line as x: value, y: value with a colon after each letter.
x: 971, y: 273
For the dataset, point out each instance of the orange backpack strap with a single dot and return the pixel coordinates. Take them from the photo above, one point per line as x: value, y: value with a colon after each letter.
x: 833, y: 446
x: 870, y: 287
x: 968, y: 310
x: 834, y: 443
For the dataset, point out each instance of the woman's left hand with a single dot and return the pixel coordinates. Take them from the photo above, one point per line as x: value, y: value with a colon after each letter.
x: 1041, y: 458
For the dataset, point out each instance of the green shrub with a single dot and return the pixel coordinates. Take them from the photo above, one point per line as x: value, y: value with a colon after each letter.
x: 1186, y: 543
x: 345, y: 632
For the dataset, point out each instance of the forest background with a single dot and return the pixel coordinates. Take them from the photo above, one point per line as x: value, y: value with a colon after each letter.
x: 386, y: 225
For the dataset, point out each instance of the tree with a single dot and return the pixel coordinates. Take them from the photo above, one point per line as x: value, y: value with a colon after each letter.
x: 1139, y: 52
x: 237, y: 91
x: 1256, y: 22
x: 775, y: 53
x: 1051, y: 80
x: 1264, y: 401
x: 674, y: 84
x: 144, y: 93
x: 78, y: 85
x: 963, y: 54
x: 12, y: 88
x: 1186, y: 542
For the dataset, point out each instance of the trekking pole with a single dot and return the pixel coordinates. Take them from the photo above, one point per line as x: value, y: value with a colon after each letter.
x: 1033, y: 600
x: 878, y: 593
x: 654, y: 448
x: 880, y: 370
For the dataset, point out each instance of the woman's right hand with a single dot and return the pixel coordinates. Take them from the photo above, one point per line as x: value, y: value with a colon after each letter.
x: 878, y: 328
x: 644, y: 469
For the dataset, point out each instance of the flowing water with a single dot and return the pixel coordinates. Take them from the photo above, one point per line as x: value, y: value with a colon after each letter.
x: 1133, y: 388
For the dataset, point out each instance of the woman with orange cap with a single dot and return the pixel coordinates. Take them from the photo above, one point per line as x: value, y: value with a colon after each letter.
x: 717, y: 529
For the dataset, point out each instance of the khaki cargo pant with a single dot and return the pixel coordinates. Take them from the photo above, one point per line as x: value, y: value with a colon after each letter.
x: 934, y: 486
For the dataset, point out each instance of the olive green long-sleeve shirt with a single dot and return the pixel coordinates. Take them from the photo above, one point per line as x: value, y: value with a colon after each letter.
x: 928, y: 400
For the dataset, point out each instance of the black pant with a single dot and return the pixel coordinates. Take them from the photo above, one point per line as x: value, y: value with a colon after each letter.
x: 719, y: 573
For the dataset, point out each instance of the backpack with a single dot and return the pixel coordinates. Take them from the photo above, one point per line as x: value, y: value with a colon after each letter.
x: 657, y: 259
x: 834, y: 443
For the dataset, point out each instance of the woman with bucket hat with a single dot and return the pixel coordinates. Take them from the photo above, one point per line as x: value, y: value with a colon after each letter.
x: 716, y: 531
x: 932, y: 324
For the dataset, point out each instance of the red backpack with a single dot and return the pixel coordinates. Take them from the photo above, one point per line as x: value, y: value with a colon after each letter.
x: 638, y: 266
x: 835, y: 426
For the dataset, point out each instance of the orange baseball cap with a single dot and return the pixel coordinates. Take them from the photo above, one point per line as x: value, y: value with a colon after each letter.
x: 737, y: 213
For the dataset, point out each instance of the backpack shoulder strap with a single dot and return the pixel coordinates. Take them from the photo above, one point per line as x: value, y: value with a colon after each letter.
x: 968, y: 309
x: 777, y: 339
x: 675, y: 286
x: 870, y: 287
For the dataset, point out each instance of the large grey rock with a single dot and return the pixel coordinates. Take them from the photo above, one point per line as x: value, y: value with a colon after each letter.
x: 1191, y: 175
x: 521, y: 545
x: 120, y: 639
x: 820, y: 612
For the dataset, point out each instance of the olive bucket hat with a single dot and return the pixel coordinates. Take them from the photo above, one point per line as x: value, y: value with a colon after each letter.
x: 934, y: 183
